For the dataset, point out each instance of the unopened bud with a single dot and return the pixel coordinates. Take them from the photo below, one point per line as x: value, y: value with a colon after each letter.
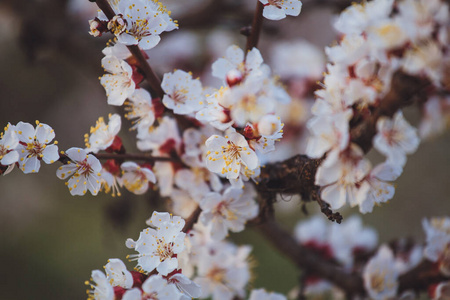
x: 233, y: 77
x: 97, y: 27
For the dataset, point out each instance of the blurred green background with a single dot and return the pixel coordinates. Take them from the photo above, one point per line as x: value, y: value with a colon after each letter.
x: 50, y: 241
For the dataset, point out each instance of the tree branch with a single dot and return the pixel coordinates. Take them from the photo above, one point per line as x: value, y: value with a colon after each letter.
x: 192, y: 219
x: 309, y: 260
x: 253, y: 37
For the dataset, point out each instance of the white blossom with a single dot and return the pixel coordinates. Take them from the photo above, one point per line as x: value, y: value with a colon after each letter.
x: 159, y: 247
x: 102, y: 135
x: 395, y: 138
x: 437, y: 247
x: 228, y: 211
x: 101, y: 289
x: 35, y: 146
x: 117, y: 273
x: 278, y: 9
x: 8, y: 143
x: 380, y: 275
x: 261, y: 294
x: 84, y: 170
x: 183, y: 94
x: 140, y: 109
x: 135, y: 178
x: 227, y: 155
x: 119, y: 85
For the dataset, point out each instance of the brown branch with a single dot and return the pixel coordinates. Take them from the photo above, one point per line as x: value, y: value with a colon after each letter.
x: 192, y: 219
x: 421, y: 277
x: 150, y: 76
x: 296, y: 175
x: 253, y: 37
x: 309, y: 260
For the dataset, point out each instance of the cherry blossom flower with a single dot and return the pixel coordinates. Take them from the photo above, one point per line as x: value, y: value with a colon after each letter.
x: 436, y: 117
x: 84, y: 170
x: 341, y: 177
x: 102, y: 135
x: 101, y: 288
x: 135, y: 178
x: 278, y: 9
x: 227, y: 155
x: 437, y: 247
x: 119, y: 85
x: 185, y: 285
x: 396, y: 138
x: 380, y: 190
x: 155, y: 287
x: 34, y: 146
x: 183, y: 94
x: 117, y: 273
x: 224, y: 272
x: 234, y: 62
x: 140, y: 109
x: 329, y: 132
x: 228, y: 211
x: 8, y: 142
x: 139, y: 22
x: 261, y: 294
x: 162, y: 139
x: 380, y: 275
x: 158, y: 248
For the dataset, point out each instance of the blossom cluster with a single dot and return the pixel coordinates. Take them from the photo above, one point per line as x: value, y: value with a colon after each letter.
x: 174, y: 265
x: 380, y: 39
x: 350, y: 244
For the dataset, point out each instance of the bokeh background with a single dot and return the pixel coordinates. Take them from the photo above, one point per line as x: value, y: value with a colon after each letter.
x: 49, y: 69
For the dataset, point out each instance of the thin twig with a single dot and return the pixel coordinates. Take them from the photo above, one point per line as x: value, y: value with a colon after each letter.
x: 192, y: 219
x: 150, y: 76
x: 253, y: 38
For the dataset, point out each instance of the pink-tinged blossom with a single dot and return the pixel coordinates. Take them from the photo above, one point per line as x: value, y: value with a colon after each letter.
x: 118, y: 50
x: 328, y: 132
x: 224, y: 272
x: 159, y: 246
x: 139, y: 22
x: 162, y: 139
x: 186, y: 286
x: 8, y: 143
x: 228, y: 211
x: 436, y: 117
x: 380, y: 188
x: 340, y: 178
x: 117, y: 273
x: 214, y: 113
x: 437, y: 247
x: 380, y: 275
x: 101, y: 288
x: 395, y: 138
x: 184, y: 95
x: 135, y: 178
x: 84, y: 172
x: 234, y: 62
x: 261, y: 294
x: 102, y: 135
x: 34, y: 146
x: 278, y: 9
x: 119, y: 85
x: 227, y: 155
x: 155, y: 287
x: 140, y: 109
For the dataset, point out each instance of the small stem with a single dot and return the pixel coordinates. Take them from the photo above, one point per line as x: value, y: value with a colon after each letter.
x: 253, y: 38
x: 150, y: 76
x: 192, y: 219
